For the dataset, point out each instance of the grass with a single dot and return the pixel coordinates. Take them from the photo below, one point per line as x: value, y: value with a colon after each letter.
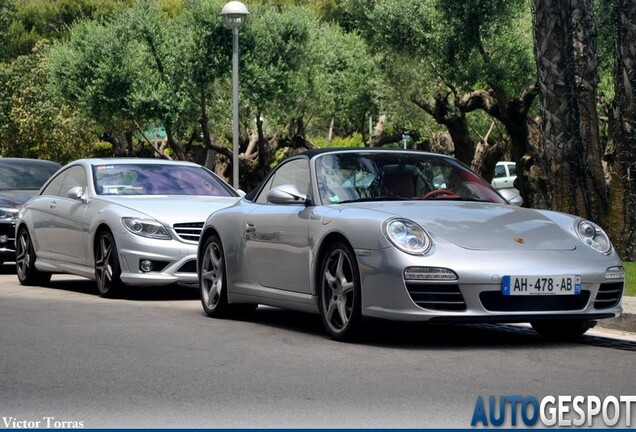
x: 630, y: 278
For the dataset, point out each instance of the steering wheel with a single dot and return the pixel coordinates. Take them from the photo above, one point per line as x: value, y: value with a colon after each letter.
x: 440, y: 192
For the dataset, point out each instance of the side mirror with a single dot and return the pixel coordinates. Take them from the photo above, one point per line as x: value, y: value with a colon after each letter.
x: 286, y: 194
x: 513, y: 197
x: 75, y: 193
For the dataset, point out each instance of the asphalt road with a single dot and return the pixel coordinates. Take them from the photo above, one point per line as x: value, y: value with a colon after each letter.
x: 154, y: 360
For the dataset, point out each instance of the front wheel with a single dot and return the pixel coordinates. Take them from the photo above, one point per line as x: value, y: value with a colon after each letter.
x: 25, y: 261
x: 339, y: 293
x: 107, y: 268
x: 562, y: 329
x: 212, y: 279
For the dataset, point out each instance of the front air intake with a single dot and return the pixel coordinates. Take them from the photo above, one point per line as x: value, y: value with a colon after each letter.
x: 443, y: 297
x: 608, y: 296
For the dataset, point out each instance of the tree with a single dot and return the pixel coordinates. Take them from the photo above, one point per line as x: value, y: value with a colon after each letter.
x: 346, y: 82
x: 33, y: 122
x: 463, y: 49
x: 564, y: 51
x: 621, y: 152
x: 34, y: 20
x: 7, y: 10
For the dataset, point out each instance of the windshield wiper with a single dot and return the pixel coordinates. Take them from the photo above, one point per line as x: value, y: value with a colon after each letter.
x: 377, y: 198
x: 456, y: 198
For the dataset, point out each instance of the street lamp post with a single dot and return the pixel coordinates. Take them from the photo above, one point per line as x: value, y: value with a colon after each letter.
x: 234, y: 14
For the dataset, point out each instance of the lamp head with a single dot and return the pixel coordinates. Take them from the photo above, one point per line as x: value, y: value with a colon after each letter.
x: 234, y: 14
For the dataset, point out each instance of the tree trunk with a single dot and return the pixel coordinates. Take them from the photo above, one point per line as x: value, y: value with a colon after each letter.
x: 575, y: 184
x: 586, y: 71
x: 621, y: 223
x: 262, y: 142
x: 532, y: 175
x: 174, y: 145
x: 455, y: 121
x: 210, y: 156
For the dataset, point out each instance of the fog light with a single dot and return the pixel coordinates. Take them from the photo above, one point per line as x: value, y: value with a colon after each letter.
x: 617, y: 272
x: 145, y: 265
x: 429, y: 273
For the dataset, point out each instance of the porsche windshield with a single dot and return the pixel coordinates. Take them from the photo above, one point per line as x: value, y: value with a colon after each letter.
x: 377, y: 176
x: 156, y: 179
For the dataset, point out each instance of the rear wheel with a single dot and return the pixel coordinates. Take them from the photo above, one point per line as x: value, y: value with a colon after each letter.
x: 107, y: 268
x: 562, y: 329
x: 25, y: 261
x: 339, y: 293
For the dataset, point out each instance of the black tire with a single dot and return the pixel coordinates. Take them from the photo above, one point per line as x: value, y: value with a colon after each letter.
x: 25, y: 261
x: 212, y: 279
x: 562, y: 329
x: 107, y: 268
x: 339, y: 293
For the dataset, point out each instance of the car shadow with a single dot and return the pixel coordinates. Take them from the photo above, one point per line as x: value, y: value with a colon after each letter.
x: 174, y: 292
x: 401, y: 335
x: 7, y: 268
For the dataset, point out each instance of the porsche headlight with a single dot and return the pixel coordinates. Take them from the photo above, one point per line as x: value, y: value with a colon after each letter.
x: 146, y: 228
x: 407, y: 236
x: 594, y: 236
x: 8, y: 213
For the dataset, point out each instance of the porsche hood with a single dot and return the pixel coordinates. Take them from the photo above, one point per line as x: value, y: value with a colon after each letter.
x: 484, y: 226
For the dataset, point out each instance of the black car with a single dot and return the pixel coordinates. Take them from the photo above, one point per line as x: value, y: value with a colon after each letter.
x: 20, y: 179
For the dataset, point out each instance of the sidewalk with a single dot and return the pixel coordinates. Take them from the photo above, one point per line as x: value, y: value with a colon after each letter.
x: 625, y: 322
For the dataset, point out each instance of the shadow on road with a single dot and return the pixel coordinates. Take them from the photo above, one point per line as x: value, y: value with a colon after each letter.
x: 7, y: 268
x: 149, y: 294
x: 86, y: 286
x: 378, y: 333
x: 424, y: 336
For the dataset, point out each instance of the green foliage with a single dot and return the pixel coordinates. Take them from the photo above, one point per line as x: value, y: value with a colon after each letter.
x: 97, y: 70
x: 346, y: 81
x: 102, y: 149
x: 33, y: 122
x: 630, y: 278
x: 128, y: 70
x: 276, y: 72
x: 605, y: 45
x: 35, y: 20
x: 7, y: 12
x: 328, y: 65
x: 355, y: 140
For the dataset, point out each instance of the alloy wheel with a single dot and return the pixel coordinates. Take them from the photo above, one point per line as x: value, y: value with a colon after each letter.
x: 212, y: 279
x: 340, y: 293
x: 107, y: 270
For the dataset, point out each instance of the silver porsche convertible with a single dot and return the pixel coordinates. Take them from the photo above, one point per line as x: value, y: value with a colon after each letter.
x: 403, y: 235
x: 118, y: 221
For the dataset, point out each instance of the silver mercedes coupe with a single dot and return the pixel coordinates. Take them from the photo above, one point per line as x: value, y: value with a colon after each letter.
x: 118, y: 221
x: 403, y: 235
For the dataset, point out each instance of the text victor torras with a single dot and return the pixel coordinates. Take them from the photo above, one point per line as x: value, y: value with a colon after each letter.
x: 44, y: 423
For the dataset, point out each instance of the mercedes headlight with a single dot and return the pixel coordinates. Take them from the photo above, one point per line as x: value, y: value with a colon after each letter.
x: 407, y: 236
x: 8, y: 213
x: 146, y: 228
x: 594, y: 236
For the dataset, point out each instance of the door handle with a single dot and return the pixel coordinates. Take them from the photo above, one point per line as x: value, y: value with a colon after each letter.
x: 53, y: 205
x: 250, y: 228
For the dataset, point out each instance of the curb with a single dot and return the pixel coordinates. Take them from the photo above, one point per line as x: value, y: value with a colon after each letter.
x: 625, y: 322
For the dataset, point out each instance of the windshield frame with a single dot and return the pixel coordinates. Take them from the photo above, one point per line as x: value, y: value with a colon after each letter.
x: 153, y: 179
x: 361, y: 176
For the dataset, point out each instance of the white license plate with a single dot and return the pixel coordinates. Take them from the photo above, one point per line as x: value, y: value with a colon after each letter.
x: 541, y: 285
